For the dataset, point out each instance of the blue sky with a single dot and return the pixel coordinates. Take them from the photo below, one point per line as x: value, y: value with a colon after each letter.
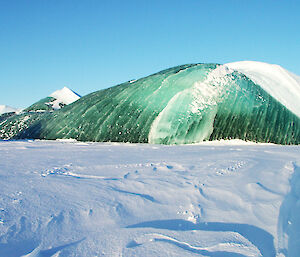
x: 89, y: 45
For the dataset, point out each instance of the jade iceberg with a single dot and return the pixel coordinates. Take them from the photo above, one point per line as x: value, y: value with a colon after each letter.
x: 182, y: 105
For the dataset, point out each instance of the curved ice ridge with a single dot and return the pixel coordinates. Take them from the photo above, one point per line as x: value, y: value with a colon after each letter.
x: 181, y: 105
x: 204, y: 95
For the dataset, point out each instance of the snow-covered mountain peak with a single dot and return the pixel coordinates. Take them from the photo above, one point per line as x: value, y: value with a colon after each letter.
x: 63, y: 96
x: 6, y: 109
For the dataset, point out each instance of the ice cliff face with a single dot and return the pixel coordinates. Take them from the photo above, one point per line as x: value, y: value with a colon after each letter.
x: 185, y: 104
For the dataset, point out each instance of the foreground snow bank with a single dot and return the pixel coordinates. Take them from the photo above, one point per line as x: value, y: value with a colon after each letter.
x: 92, y: 199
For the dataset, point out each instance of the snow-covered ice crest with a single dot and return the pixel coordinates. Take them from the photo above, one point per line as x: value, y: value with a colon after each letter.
x: 275, y: 80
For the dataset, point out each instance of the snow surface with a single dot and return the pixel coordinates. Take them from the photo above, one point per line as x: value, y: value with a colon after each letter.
x: 229, y: 198
x: 64, y: 96
x: 283, y: 85
x: 5, y: 109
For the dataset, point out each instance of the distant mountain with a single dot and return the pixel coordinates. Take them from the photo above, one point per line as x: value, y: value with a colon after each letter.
x: 7, y: 109
x: 63, y: 97
x: 186, y: 104
x: 57, y: 100
x: 54, y: 101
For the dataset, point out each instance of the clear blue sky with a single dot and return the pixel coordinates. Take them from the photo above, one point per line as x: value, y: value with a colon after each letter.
x: 89, y: 45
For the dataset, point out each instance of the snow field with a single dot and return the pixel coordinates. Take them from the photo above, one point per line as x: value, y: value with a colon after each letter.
x: 100, y: 199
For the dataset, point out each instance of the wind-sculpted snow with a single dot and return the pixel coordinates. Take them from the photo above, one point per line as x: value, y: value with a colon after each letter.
x: 182, y: 105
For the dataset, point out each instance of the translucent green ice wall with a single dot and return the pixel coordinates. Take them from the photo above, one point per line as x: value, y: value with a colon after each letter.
x: 185, y: 104
x: 226, y: 105
x: 126, y: 112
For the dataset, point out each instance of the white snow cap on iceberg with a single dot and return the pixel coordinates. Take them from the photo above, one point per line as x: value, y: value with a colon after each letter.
x: 64, y: 96
x: 281, y: 84
x: 6, y: 109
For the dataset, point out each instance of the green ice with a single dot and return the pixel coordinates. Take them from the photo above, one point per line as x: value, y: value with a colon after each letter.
x: 185, y: 104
